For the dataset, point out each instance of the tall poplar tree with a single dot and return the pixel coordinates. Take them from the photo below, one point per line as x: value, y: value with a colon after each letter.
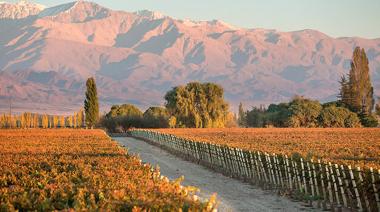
x: 91, y: 104
x: 242, y: 119
x: 357, y: 90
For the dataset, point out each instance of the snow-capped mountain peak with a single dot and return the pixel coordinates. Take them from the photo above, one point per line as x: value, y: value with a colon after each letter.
x: 191, y: 23
x: 152, y: 15
x: 75, y: 12
x: 54, y: 11
x: 30, y: 4
x: 19, y: 10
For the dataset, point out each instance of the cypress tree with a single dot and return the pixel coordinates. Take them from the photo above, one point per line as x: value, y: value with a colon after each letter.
x: 91, y: 105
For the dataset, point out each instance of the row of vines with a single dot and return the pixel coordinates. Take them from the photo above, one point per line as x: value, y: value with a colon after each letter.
x: 83, y: 170
x: 319, y: 183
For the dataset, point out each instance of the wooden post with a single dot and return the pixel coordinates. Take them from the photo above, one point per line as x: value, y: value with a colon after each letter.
x: 248, y: 165
x: 232, y: 162
x: 270, y: 169
x: 375, y: 191
x: 341, y: 185
x: 288, y: 172
x: 266, y: 179
x: 226, y: 160
x: 358, y: 201
x: 329, y: 187
x: 350, y: 196
x: 299, y: 183
x: 363, y: 189
x: 236, y: 159
x: 335, y: 185
x: 313, y: 169
x: 311, y: 182
x: 304, y: 179
x: 258, y: 169
x: 279, y: 169
x: 256, y: 174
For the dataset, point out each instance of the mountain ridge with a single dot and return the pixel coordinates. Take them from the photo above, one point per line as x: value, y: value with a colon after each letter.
x: 137, y: 56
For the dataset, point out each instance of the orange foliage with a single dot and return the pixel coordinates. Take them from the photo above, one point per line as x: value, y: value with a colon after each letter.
x: 81, y: 170
x: 357, y: 147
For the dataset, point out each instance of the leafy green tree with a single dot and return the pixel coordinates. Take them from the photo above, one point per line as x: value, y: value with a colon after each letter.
x: 278, y: 115
x: 122, y: 117
x: 338, y: 117
x: 91, y: 104
x: 304, y: 112
x: 127, y: 122
x: 156, y: 117
x: 198, y: 105
x: 352, y: 120
x: 257, y: 117
x: 369, y: 121
x: 242, y: 119
x: 109, y: 123
x: 124, y: 110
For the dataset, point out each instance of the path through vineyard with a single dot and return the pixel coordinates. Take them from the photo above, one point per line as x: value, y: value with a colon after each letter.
x: 232, y: 194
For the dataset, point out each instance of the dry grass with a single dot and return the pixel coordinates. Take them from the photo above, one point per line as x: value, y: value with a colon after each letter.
x: 357, y: 147
x: 81, y: 170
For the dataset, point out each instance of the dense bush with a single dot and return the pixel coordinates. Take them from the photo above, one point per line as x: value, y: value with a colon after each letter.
x: 156, y: 117
x: 336, y: 117
x: 369, y: 120
x: 304, y: 112
x: 124, y: 110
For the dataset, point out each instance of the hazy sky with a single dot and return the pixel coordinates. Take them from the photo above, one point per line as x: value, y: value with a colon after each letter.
x: 334, y: 17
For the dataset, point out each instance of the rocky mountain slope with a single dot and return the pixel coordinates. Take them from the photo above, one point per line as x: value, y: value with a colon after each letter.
x: 46, y: 56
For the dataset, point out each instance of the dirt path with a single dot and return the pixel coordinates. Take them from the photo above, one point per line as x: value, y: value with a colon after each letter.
x: 232, y: 194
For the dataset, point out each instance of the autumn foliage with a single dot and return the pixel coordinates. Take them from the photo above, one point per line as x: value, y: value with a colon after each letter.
x: 83, y: 170
x: 356, y: 147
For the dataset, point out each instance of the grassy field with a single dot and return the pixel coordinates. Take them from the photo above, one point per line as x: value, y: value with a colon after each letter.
x: 80, y: 170
x: 357, y: 147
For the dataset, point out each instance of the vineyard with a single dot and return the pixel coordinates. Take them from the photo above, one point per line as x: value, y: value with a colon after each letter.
x: 66, y: 169
x: 355, y: 147
x: 326, y: 185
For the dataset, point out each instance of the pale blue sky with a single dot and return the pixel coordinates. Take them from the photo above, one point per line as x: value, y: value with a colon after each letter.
x: 337, y: 18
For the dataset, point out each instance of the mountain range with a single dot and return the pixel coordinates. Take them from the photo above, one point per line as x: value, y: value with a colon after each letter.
x: 46, y: 55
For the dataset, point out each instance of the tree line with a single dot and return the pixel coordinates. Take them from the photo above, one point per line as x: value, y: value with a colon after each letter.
x: 87, y: 117
x: 354, y: 108
x: 35, y: 120
x: 195, y: 105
